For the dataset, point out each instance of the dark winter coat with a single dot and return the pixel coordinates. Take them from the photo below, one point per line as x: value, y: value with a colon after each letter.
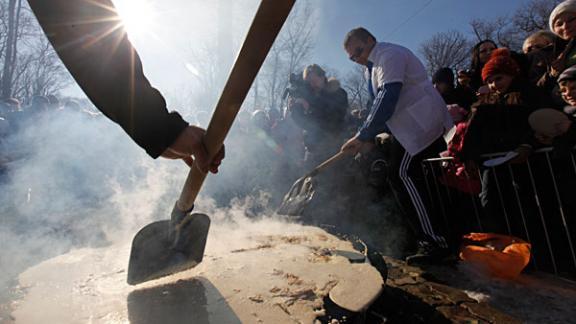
x: 463, y: 97
x: 324, y: 122
x: 500, y: 122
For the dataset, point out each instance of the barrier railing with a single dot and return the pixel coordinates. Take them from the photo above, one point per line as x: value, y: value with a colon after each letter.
x: 534, y: 200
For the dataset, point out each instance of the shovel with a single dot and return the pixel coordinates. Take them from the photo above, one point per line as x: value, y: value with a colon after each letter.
x: 302, y: 190
x: 169, y: 246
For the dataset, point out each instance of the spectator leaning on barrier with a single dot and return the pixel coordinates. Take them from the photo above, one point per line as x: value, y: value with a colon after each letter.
x: 557, y: 128
x: 407, y: 106
x: 500, y: 120
x: 500, y: 124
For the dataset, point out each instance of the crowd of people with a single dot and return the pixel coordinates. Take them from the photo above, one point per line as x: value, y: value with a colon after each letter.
x: 523, y: 103
x: 506, y: 101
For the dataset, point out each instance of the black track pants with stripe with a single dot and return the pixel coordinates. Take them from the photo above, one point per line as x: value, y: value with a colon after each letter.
x: 407, y: 181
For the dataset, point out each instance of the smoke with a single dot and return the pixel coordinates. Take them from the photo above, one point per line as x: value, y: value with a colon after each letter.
x: 74, y: 179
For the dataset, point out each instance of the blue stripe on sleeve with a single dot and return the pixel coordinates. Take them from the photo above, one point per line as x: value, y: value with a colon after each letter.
x: 382, y: 109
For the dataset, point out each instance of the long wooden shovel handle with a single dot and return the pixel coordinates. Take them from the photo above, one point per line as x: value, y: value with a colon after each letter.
x: 265, y: 27
x: 327, y: 163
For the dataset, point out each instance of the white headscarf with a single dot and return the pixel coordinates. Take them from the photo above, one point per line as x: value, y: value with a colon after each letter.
x: 562, y: 7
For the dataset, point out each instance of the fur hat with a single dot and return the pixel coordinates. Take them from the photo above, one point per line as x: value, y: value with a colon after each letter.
x: 562, y: 7
x: 500, y: 62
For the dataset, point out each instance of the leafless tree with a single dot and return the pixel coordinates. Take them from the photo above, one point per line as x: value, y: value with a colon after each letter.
x: 273, y: 78
x: 534, y: 15
x: 12, y: 16
x: 210, y: 62
x: 288, y: 55
x: 499, y: 29
x: 356, y: 86
x: 28, y: 63
x: 297, y: 37
x: 511, y: 30
x: 446, y: 49
x: 40, y: 72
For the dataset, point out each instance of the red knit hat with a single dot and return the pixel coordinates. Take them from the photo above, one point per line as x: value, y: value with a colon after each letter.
x: 500, y: 62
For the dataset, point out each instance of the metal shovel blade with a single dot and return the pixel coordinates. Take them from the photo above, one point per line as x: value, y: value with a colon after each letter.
x: 153, y: 256
x: 297, y: 198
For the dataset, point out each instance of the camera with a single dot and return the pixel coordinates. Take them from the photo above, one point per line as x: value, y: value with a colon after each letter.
x: 297, y: 88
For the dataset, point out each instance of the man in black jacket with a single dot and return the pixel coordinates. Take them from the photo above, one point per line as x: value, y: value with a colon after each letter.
x: 89, y: 38
x: 321, y: 113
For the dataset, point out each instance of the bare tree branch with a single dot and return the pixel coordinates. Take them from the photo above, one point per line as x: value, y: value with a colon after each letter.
x: 356, y: 86
x: 446, y: 49
x: 292, y: 48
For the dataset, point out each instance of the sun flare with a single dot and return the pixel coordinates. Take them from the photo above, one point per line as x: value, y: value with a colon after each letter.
x: 138, y: 16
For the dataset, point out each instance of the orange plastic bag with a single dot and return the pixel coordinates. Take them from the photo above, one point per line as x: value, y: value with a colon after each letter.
x: 497, y: 255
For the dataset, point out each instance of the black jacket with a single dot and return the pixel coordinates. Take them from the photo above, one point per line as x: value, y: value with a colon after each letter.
x: 325, y: 120
x: 463, y: 97
x: 98, y: 54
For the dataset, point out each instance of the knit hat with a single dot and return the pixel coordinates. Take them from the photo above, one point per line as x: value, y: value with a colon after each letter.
x: 562, y: 7
x: 500, y: 62
x: 444, y: 75
x: 568, y: 74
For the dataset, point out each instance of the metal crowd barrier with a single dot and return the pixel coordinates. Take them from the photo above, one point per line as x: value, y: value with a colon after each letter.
x: 534, y: 200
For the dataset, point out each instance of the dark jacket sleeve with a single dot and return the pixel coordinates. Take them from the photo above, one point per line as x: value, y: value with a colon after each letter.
x: 93, y: 46
x: 382, y: 110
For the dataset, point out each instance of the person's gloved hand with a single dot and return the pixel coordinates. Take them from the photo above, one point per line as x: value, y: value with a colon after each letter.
x: 189, y: 144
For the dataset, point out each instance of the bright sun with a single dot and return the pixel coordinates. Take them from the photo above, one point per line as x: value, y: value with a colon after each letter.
x: 138, y: 16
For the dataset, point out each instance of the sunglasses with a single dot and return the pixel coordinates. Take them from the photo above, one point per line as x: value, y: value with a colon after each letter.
x: 357, y: 52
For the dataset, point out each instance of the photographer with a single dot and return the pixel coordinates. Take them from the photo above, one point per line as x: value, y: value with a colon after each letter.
x: 318, y: 105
